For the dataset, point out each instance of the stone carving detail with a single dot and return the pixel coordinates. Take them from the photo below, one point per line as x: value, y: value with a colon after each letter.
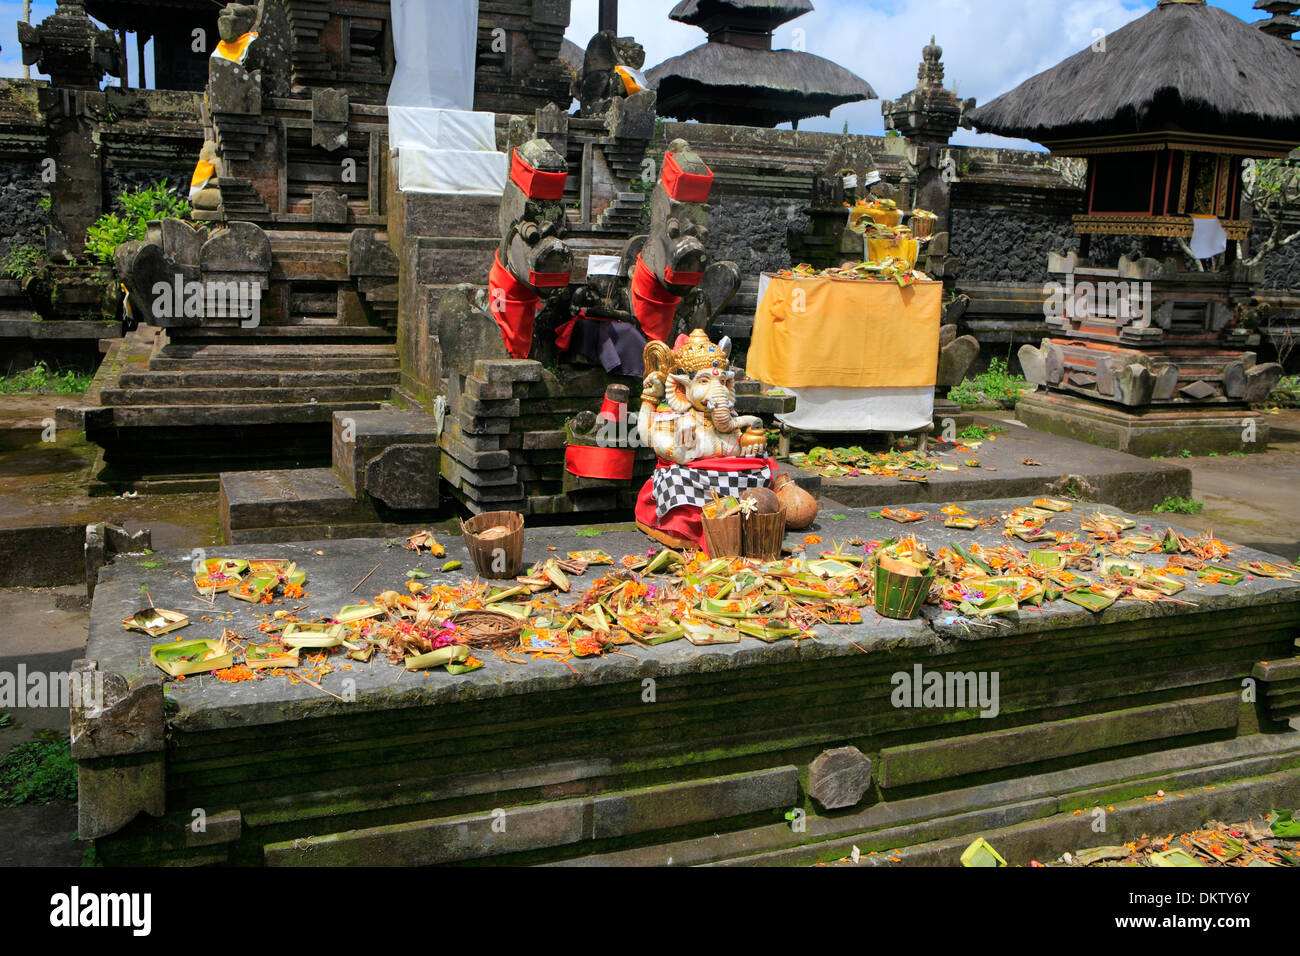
x: 69, y: 48
x: 182, y: 275
x: 667, y: 283
x: 611, y: 73
x: 531, y: 272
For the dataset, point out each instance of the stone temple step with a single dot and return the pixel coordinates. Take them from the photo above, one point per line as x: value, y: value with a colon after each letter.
x: 322, y: 363
x: 234, y: 377
x: 284, y: 334
x: 225, y: 414
x: 236, y: 396
x: 323, y: 358
x: 277, y: 499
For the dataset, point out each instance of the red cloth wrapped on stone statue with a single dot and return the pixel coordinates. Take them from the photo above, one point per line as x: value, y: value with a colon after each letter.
x: 514, y: 305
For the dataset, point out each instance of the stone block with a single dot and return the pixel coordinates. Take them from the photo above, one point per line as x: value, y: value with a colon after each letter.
x: 508, y: 370
x: 956, y: 359
x: 113, y: 791
x: 839, y: 778
x: 367, y: 256
x: 330, y: 206
x: 488, y: 391
x: 1033, y: 364
x: 238, y: 247
x: 330, y: 106
x: 1260, y: 382
x: 359, y: 436
x: 718, y: 798
x: 954, y: 757
x: 405, y: 477
x: 434, y: 842
x: 123, y: 720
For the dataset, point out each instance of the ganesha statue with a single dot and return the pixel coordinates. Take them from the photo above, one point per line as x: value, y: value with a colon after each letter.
x: 696, y: 386
x: 688, y: 416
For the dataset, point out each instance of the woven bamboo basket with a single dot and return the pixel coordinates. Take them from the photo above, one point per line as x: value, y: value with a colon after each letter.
x: 900, y: 589
x: 499, y: 557
x: 489, y: 630
x: 763, y: 535
x: 722, y: 536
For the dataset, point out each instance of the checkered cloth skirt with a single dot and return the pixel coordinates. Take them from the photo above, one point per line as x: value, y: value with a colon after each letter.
x: 678, y: 485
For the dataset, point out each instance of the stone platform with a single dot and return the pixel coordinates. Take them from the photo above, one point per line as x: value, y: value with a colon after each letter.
x: 1119, y: 479
x: 539, y: 762
x: 1157, y: 431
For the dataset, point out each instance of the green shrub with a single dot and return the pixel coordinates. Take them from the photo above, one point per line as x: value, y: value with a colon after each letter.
x: 139, y: 207
x: 1179, y: 506
x: 21, y: 262
x: 38, y: 771
x: 1287, y: 393
x: 40, y: 379
x: 997, y: 386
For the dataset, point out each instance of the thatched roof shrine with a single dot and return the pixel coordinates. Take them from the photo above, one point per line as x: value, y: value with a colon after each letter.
x: 1185, y: 67
x: 738, y: 78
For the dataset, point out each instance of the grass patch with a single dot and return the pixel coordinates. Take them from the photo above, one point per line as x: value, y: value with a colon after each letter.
x: 1173, y: 505
x: 979, y: 432
x: 39, y: 771
x: 40, y: 380
x: 997, y: 386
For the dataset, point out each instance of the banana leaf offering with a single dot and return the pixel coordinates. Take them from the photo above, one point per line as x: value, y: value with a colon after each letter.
x: 269, y: 656
x: 318, y: 635
x: 155, y: 621
x: 183, y: 659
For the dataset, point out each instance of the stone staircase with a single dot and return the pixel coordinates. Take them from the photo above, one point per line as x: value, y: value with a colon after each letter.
x: 176, y: 409
x: 623, y: 214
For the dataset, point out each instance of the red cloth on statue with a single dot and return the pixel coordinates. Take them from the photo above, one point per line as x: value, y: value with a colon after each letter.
x: 514, y: 305
x: 653, y: 305
x: 687, y: 522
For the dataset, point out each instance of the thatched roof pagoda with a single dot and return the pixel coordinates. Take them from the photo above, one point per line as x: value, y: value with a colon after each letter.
x: 738, y: 78
x: 1166, y: 109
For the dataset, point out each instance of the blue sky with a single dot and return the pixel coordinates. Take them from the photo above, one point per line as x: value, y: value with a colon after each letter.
x: 990, y: 46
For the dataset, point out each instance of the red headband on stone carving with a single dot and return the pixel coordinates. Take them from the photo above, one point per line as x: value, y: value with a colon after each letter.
x: 536, y: 183
x: 683, y: 186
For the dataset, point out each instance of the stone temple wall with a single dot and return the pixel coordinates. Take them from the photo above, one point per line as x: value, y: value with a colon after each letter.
x: 143, y: 136
x: 752, y: 231
x: 21, y: 191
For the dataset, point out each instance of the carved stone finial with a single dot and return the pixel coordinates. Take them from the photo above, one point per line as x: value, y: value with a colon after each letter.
x: 931, y: 72
x: 68, y: 47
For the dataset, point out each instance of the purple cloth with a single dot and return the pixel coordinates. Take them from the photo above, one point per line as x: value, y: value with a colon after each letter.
x: 618, y: 347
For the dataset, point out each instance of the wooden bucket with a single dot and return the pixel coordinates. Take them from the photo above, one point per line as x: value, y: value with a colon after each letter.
x: 722, y: 536
x: 763, y: 535
x: 900, y: 590
x: 499, y: 557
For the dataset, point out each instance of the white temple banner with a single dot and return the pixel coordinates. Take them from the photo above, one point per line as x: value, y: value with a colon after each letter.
x: 436, y: 45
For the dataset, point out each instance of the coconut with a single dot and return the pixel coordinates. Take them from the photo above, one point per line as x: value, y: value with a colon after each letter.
x: 764, y: 498
x: 800, y: 506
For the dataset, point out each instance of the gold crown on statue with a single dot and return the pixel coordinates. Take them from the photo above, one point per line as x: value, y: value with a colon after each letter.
x: 698, y: 353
